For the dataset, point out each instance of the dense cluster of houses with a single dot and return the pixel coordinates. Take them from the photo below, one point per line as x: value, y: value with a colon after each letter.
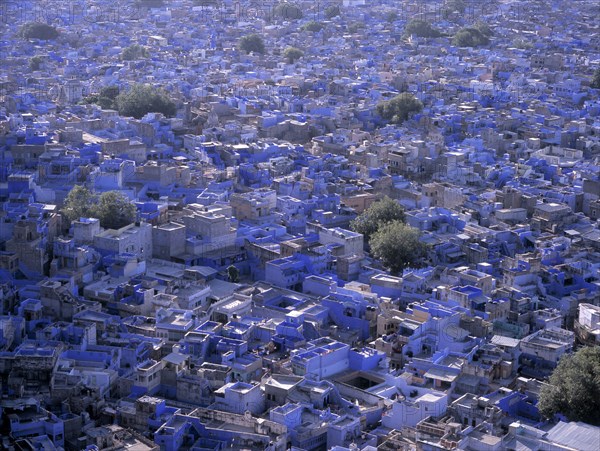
x: 239, y: 310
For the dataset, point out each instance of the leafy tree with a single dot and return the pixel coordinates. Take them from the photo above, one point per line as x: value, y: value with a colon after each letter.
x: 453, y: 6
x: 521, y: 43
x: 134, y: 52
x: 288, y: 11
x: 574, y: 387
x: 458, y: 5
x: 292, y: 54
x: 399, y: 108
x: 233, y: 273
x: 79, y: 203
x: 36, y: 30
x: 252, y: 43
x: 332, y: 11
x: 106, y: 98
x: 152, y: 3
x: 470, y: 37
x: 397, y: 245
x: 143, y: 99
x: 110, y: 92
x: 377, y: 215
x: 90, y: 99
x: 392, y: 16
x: 422, y: 29
x: 484, y: 28
x: 104, y: 102
x: 313, y: 26
x: 35, y: 63
x: 114, y: 210
x: 354, y: 27
x: 596, y: 80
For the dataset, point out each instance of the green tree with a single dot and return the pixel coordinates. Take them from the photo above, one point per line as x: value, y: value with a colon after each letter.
x: 142, y: 99
x: 392, y: 16
x: 89, y: 99
x: 105, y: 103
x: 377, y: 215
x: 521, y: 43
x: 288, y: 11
x: 110, y: 92
x: 105, y: 99
x: 313, y: 26
x: 152, y: 3
x: 252, y: 43
x: 355, y: 27
x: 35, y: 63
x: 399, y: 108
x: 470, y: 37
x: 108, y: 96
x: 453, y: 7
x: 422, y: 29
x: 79, y: 203
x: 332, y: 11
x: 292, y: 54
x: 134, y: 52
x: 574, y: 388
x: 114, y: 210
x: 397, y: 245
x: 36, y: 30
x: 233, y: 273
x: 484, y: 28
x: 596, y: 79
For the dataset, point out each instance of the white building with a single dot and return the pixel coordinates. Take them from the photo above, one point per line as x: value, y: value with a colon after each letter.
x: 240, y: 397
x: 132, y: 239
